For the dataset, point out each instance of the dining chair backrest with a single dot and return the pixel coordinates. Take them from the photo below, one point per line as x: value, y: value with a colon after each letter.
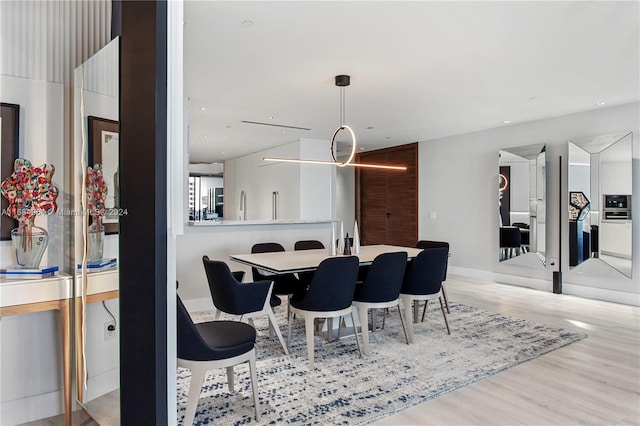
x: 384, y: 278
x: 264, y: 248
x: 425, y: 274
x: 428, y: 244
x: 308, y: 245
x: 190, y: 343
x: 332, y: 286
x: 225, y: 289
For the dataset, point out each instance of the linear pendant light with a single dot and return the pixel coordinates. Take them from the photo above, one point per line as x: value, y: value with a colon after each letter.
x: 341, y: 81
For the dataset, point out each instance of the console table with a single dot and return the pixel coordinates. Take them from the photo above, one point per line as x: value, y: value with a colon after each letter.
x: 38, y: 295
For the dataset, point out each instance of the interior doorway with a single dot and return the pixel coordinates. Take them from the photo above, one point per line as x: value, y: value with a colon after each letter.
x: 387, y: 200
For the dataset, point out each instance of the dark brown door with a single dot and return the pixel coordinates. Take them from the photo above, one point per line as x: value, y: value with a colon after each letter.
x: 387, y: 200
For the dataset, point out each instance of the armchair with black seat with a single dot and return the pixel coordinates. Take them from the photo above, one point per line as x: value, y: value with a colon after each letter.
x: 329, y: 295
x: 249, y: 300
x: 423, y: 281
x: 284, y: 284
x: 380, y: 289
x: 427, y: 244
x: 215, y: 344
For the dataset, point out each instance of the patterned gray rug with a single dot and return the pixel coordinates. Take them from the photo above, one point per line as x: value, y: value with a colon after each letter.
x: 346, y: 389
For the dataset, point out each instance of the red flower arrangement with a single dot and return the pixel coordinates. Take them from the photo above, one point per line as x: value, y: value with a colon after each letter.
x: 30, y: 193
x: 96, y: 193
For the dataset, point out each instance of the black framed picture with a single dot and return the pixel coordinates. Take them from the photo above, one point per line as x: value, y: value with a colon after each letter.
x: 104, y: 144
x: 9, y: 150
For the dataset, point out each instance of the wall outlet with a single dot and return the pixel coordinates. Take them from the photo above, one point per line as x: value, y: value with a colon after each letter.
x: 110, y: 331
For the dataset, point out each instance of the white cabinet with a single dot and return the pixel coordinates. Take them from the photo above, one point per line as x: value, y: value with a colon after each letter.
x: 615, y: 238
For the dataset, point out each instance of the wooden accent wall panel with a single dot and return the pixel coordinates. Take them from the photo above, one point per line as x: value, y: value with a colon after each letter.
x: 387, y: 200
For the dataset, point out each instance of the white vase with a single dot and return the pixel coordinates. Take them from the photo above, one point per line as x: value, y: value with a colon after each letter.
x: 356, y: 239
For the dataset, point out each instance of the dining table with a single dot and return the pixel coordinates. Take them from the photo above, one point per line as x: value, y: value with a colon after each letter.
x: 287, y: 262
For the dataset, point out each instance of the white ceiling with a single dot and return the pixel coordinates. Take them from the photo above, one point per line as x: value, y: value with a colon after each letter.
x: 419, y: 70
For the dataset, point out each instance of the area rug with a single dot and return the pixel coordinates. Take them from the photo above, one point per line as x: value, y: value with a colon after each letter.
x: 346, y: 389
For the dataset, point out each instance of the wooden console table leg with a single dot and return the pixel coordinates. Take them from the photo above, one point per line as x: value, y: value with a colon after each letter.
x: 65, y: 316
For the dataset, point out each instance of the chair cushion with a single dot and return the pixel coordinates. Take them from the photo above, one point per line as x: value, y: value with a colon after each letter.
x: 226, y: 339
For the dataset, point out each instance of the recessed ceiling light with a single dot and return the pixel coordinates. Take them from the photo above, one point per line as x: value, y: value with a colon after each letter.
x: 204, y: 108
x: 362, y: 148
x: 600, y: 103
x: 271, y: 117
x: 247, y: 23
x: 370, y: 128
x: 388, y: 137
x: 507, y: 121
x: 284, y: 131
x: 205, y: 136
x: 228, y: 127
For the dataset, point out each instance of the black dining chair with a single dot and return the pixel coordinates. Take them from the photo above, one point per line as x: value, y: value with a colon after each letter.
x: 306, y: 277
x: 423, y: 281
x: 284, y: 284
x: 510, y: 242
x: 329, y: 295
x: 249, y: 300
x: 427, y: 244
x: 380, y: 289
x: 215, y: 344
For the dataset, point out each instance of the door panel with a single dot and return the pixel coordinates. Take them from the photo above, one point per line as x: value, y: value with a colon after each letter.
x: 387, y: 200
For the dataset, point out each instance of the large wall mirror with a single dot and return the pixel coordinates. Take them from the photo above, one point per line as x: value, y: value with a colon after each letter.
x: 96, y: 314
x: 522, y: 205
x: 600, y: 187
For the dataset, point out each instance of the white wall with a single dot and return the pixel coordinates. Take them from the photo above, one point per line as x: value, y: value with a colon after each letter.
x: 466, y: 205
x: 36, y: 71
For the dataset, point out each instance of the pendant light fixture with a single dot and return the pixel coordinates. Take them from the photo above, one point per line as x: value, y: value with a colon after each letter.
x: 342, y: 81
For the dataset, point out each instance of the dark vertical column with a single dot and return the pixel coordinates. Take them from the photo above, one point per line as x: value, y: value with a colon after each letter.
x: 557, y: 275
x: 143, y: 249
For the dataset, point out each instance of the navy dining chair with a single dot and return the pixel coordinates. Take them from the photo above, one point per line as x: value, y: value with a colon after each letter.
x: 330, y: 295
x: 214, y: 344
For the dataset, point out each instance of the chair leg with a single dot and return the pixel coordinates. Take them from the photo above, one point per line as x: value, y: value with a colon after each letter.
x: 216, y: 315
x: 416, y: 310
x: 363, y: 327
x: 408, y: 314
x: 308, y: 325
x: 289, y: 332
x: 355, y: 331
x: 446, y: 299
x: 402, y: 322
x: 195, y: 386
x: 230, y: 379
x: 254, y: 383
x: 274, y: 325
x: 424, y: 311
x: 444, y: 315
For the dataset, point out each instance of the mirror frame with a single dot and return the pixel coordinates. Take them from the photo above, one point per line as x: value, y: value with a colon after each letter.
x: 535, y: 155
x: 594, y: 147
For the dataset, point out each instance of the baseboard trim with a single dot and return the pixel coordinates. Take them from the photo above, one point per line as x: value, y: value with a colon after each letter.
x: 102, y: 384
x: 588, y: 292
x: 31, y: 408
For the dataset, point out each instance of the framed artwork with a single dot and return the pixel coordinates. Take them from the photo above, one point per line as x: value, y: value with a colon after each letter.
x: 104, y: 142
x: 9, y: 151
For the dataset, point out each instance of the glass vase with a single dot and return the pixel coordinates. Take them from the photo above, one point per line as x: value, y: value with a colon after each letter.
x: 95, y: 243
x: 29, y: 242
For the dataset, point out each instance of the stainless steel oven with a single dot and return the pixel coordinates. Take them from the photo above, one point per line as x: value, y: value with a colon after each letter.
x: 617, y: 207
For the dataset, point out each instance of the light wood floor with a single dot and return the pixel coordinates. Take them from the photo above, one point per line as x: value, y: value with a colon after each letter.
x: 592, y: 382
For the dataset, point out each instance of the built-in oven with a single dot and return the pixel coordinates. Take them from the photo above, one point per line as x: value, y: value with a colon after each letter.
x: 617, y: 207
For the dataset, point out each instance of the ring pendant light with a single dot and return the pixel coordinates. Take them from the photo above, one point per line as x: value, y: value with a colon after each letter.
x: 341, y: 81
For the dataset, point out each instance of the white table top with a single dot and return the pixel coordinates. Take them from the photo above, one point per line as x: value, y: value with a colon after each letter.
x: 20, y: 292
x: 282, y: 262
